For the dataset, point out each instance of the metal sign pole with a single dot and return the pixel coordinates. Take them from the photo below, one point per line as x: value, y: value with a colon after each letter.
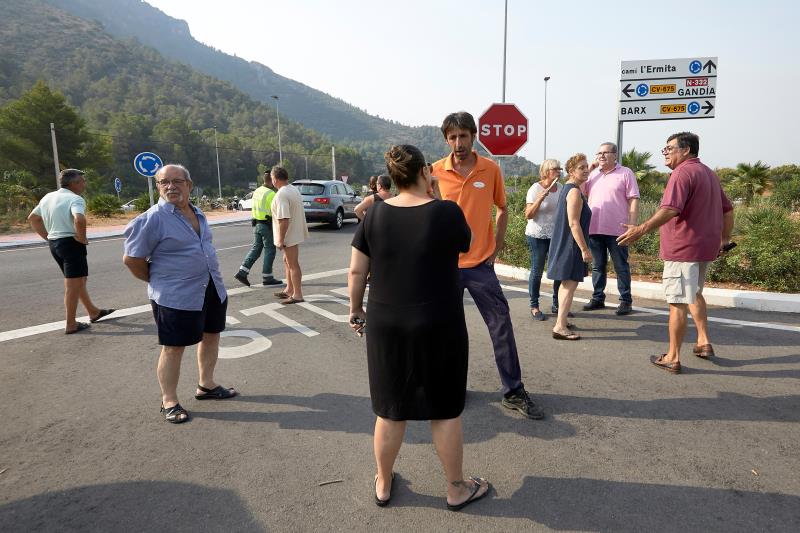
x: 150, y: 188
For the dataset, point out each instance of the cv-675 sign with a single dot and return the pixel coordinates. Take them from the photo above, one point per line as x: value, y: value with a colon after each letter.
x: 668, y: 89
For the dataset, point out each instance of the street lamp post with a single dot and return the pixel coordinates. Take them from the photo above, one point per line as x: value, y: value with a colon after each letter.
x: 546, y: 78
x: 216, y: 149
x: 278, y: 114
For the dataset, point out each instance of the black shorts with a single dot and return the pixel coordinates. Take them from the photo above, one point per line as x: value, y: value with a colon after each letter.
x: 70, y: 256
x: 178, y: 327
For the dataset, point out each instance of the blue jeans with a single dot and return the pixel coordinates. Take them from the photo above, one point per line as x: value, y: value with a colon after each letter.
x: 262, y: 240
x: 539, y: 248
x: 483, y: 286
x: 601, y: 247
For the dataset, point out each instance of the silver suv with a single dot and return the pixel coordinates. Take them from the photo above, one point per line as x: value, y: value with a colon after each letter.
x: 328, y: 201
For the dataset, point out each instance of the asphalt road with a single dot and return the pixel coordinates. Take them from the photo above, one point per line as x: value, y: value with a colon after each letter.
x: 625, y: 446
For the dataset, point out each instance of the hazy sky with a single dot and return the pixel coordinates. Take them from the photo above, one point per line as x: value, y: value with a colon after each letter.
x: 415, y: 61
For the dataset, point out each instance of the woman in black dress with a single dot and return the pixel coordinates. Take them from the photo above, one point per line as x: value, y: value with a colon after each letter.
x: 417, y: 343
x: 569, y: 251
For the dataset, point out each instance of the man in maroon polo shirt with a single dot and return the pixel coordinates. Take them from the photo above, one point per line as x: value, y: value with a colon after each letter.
x: 695, y: 221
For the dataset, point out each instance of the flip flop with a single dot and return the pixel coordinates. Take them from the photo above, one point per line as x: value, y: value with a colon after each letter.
x: 217, y: 393
x: 175, y: 414
x: 568, y: 337
x: 80, y: 327
x: 281, y: 294
x: 472, y: 496
x: 378, y: 501
x: 101, y: 314
x: 291, y: 300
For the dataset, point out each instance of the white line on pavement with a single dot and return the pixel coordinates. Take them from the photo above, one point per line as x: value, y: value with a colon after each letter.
x: 119, y: 313
x: 764, y: 325
x: 56, y: 326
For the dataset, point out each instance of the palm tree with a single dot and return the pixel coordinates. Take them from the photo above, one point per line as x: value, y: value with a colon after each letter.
x: 752, y: 179
x: 638, y: 162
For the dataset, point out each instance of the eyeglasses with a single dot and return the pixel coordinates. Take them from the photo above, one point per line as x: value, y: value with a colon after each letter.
x: 667, y: 149
x: 602, y: 154
x: 558, y: 169
x: 177, y: 182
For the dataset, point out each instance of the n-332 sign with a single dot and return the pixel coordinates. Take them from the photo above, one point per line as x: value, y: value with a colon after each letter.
x: 668, y: 89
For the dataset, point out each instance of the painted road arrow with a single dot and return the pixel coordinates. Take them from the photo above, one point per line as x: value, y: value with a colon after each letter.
x: 709, y: 107
x: 709, y: 65
x: 627, y: 91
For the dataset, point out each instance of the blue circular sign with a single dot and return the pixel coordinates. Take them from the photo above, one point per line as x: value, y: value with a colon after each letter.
x: 695, y: 67
x: 642, y: 89
x: 117, y: 184
x: 693, y: 108
x: 147, y: 164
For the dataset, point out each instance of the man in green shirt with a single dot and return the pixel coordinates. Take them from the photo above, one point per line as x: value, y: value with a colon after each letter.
x: 262, y: 236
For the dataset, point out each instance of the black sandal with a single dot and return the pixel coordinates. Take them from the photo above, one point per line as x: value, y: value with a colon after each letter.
x: 472, y: 497
x: 81, y: 326
x: 175, y: 414
x: 217, y: 393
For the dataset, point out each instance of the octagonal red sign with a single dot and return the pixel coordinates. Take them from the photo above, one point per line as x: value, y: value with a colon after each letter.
x: 503, y: 129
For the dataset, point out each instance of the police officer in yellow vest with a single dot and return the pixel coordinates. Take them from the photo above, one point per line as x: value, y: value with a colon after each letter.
x: 262, y: 235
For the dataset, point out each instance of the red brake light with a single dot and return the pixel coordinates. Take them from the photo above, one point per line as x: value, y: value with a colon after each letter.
x: 322, y: 200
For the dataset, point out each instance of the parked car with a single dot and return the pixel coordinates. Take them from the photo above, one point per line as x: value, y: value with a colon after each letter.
x: 129, y: 206
x: 246, y: 203
x: 328, y: 201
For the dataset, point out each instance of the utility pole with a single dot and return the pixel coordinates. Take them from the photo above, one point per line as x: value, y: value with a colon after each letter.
x: 55, y: 152
x: 546, y: 78
x: 278, y: 114
x: 306, y: 158
x: 505, y: 40
x: 216, y: 148
x: 333, y: 160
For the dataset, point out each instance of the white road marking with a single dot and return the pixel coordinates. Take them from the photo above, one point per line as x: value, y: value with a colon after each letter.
x: 763, y: 325
x: 271, y: 310
x: 324, y: 312
x: 119, y: 313
x: 258, y: 344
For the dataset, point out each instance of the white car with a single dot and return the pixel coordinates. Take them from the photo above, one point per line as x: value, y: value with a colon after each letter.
x: 129, y: 206
x: 246, y: 203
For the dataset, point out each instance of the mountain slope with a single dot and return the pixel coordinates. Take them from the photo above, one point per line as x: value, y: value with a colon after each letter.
x: 135, y: 100
x: 310, y: 107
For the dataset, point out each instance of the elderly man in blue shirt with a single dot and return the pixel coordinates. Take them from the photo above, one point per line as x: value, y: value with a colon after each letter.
x: 169, y: 247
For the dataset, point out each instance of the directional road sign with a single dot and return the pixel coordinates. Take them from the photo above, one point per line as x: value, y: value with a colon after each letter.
x: 118, y: 185
x: 654, y: 89
x: 666, y: 109
x: 669, y: 68
x: 668, y: 89
x: 503, y: 129
x: 147, y: 164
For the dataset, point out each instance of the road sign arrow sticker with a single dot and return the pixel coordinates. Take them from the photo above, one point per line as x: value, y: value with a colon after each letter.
x: 708, y: 107
x: 710, y: 65
x: 627, y: 91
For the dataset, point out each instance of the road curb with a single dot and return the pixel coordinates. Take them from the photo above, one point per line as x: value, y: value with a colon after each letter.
x: 11, y: 245
x: 752, y: 300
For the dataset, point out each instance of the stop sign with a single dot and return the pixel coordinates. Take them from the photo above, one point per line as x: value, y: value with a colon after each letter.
x: 503, y: 129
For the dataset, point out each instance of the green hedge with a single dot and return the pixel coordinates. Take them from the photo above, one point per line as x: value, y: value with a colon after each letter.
x: 104, y: 205
x: 767, y: 255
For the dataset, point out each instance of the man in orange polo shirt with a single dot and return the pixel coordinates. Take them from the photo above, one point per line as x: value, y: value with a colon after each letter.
x: 476, y: 184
